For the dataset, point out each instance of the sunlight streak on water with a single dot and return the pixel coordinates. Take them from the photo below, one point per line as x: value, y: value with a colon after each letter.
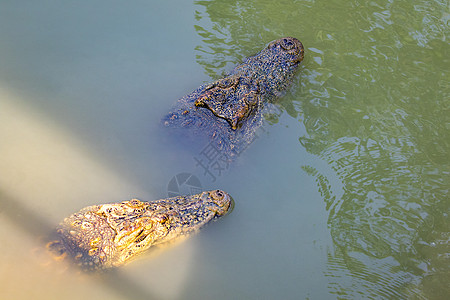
x: 51, y: 175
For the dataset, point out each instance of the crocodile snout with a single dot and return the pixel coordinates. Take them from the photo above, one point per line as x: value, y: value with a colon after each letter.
x: 223, y: 201
x: 291, y: 46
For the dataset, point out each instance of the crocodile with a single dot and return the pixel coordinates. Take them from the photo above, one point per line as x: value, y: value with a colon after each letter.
x: 109, y: 235
x: 229, y: 111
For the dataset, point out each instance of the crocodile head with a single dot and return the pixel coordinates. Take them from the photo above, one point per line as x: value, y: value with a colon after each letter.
x: 109, y: 235
x: 264, y: 75
x: 275, y: 65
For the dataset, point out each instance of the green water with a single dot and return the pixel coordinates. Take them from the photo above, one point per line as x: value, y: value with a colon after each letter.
x: 344, y: 195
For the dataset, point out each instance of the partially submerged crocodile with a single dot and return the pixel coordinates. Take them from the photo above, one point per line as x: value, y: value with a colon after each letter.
x: 229, y: 110
x: 108, y: 235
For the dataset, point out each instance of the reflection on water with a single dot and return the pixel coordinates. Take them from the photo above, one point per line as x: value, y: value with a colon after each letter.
x: 374, y: 99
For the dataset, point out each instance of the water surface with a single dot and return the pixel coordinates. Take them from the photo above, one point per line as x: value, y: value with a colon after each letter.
x: 343, y: 195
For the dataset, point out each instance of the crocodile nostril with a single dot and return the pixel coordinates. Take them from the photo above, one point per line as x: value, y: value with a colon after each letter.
x: 218, y: 196
x: 288, y: 43
x: 223, y: 202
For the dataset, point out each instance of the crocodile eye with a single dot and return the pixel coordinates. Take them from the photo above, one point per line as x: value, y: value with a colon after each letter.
x: 77, y: 223
x: 271, y: 45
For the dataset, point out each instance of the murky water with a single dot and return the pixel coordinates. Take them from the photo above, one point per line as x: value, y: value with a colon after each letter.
x: 344, y: 195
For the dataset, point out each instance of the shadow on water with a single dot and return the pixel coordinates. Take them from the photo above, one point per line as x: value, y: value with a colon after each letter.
x: 373, y: 96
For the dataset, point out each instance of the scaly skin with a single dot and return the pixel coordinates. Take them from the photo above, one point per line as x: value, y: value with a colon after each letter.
x: 109, y: 235
x: 229, y: 110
